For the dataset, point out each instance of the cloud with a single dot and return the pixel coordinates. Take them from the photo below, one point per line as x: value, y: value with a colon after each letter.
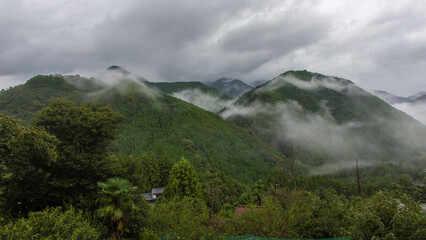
x: 289, y: 122
x: 375, y: 43
x: 203, y: 100
x: 417, y: 110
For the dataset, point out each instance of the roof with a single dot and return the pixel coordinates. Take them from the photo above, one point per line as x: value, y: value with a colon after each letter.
x: 147, y: 196
x: 157, y: 190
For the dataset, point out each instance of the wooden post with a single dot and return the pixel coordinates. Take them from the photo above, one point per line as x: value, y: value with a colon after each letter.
x: 293, y: 161
x: 358, y: 178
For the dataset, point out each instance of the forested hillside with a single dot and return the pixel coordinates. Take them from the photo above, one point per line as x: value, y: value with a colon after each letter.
x: 154, y: 122
x: 25, y: 100
x: 328, y: 120
x: 164, y: 124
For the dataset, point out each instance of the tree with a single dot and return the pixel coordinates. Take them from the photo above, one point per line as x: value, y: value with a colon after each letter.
x: 222, y: 190
x: 52, y: 223
x: 165, y: 164
x: 387, y: 215
x: 151, y: 169
x: 182, y: 181
x: 180, y: 219
x: 26, y: 157
x: 84, y: 133
x: 116, y: 203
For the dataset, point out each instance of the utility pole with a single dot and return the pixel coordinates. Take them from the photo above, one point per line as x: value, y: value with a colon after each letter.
x: 293, y: 161
x: 358, y: 178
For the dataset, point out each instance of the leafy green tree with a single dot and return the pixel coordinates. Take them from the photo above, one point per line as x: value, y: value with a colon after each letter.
x: 116, y: 203
x: 151, y: 169
x: 270, y: 221
x: 84, y: 133
x: 165, y: 164
x: 183, y: 181
x: 27, y: 155
x: 132, y: 169
x: 52, y: 223
x: 386, y: 215
x: 8, y: 129
x: 182, y: 219
x: 222, y: 190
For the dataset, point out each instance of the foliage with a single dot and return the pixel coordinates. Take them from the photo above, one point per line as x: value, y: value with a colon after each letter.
x: 146, y: 171
x: 52, y: 223
x: 186, y: 218
x: 132, y: 169
x: 84, y: 133
x: 166, y: 125
x: 116, y: 204
x: 183, y: 181
x: 27, y: 154
x: 23, y: 101
x: 222, y: 190
x: 386, y: 215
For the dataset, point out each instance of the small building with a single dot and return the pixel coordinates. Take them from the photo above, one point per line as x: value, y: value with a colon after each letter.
x: 244, y: 208
x: 153, y: 196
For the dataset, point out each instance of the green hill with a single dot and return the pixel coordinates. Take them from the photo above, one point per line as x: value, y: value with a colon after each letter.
x: 329, y: 120
x: 24, y: 100
x: 154, y: 122
x: 231, y: 87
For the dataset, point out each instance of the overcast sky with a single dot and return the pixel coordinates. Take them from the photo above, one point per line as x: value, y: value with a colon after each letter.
x: 376, y: 44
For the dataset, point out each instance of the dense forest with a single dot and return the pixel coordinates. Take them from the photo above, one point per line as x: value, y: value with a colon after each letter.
x: 77, y: 169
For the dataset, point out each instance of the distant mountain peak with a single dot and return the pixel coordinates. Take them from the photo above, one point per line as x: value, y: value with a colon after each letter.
x: 416, y: 96
x: 118, y: 69
x: 231, y: 86
x: 388, y: 97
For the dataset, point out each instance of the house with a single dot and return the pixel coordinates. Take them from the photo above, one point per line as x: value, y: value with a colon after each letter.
x: 153, y: 196
x: 244, y: 208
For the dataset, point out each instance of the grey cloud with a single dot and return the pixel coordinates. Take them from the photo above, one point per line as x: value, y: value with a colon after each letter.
x: 203, y: 100
x: 189, y: 44
x: 372, y: 43
x: 315, y: 132
x: 416, y: 110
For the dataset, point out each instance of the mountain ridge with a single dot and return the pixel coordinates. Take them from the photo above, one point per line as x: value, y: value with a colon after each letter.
x: 327, y: 119
x: 230, y: 86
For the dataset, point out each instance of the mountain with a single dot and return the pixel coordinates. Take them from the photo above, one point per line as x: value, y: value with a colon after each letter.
x: 24, y: 100
x: 118, y: 69
x: 231, y: 87
x: 390, y: 98
x: 329, y: 122
x: 417, y: 95
x: 153, y: 122
x: 393, y: 99
x: 422, y: 98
